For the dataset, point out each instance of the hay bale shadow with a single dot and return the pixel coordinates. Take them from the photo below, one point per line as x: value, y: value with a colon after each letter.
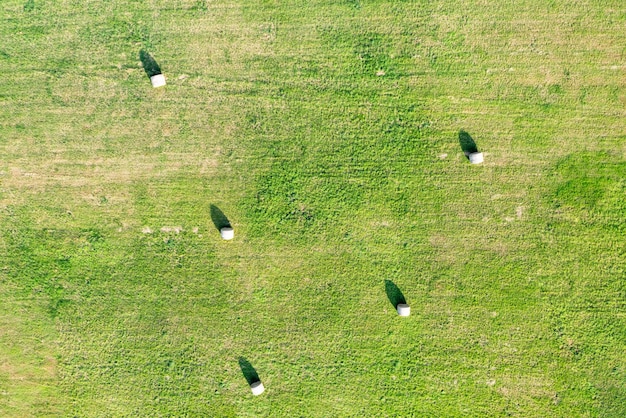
x: 150, y: 66
x: 468, y: 146
x: 394, y: 294
x: 219, y: 219
x: 249, y: 372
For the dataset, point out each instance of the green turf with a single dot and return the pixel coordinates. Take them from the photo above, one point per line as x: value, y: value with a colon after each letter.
x: 328, y: 133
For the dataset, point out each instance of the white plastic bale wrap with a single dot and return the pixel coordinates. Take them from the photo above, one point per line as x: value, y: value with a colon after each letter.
x: 157, y: 80
x: 404, y: 309
x: 476, y: 157
x: 227, y: 233
x: 257, y: 388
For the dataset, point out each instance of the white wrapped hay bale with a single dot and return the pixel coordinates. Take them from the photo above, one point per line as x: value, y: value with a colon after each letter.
x: 476, y: 157
x: 227, y: 233
x: 257, y: 388
x: 403, y: 309
x: 157, y: 80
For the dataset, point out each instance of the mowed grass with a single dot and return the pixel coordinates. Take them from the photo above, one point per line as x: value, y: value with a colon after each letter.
x: 328, y: 134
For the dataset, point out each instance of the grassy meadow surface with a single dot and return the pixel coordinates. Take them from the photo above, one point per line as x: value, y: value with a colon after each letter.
x: 328, y: 133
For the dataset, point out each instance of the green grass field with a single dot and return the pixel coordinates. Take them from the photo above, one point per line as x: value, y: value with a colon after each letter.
x: 328, y: 133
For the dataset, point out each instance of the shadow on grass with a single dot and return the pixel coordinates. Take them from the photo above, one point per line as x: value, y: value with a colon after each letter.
x: 150, y: 66
x: 468, y: 146
x: 219, y: 219
x: 248, y: 371
x: 394, y: 293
